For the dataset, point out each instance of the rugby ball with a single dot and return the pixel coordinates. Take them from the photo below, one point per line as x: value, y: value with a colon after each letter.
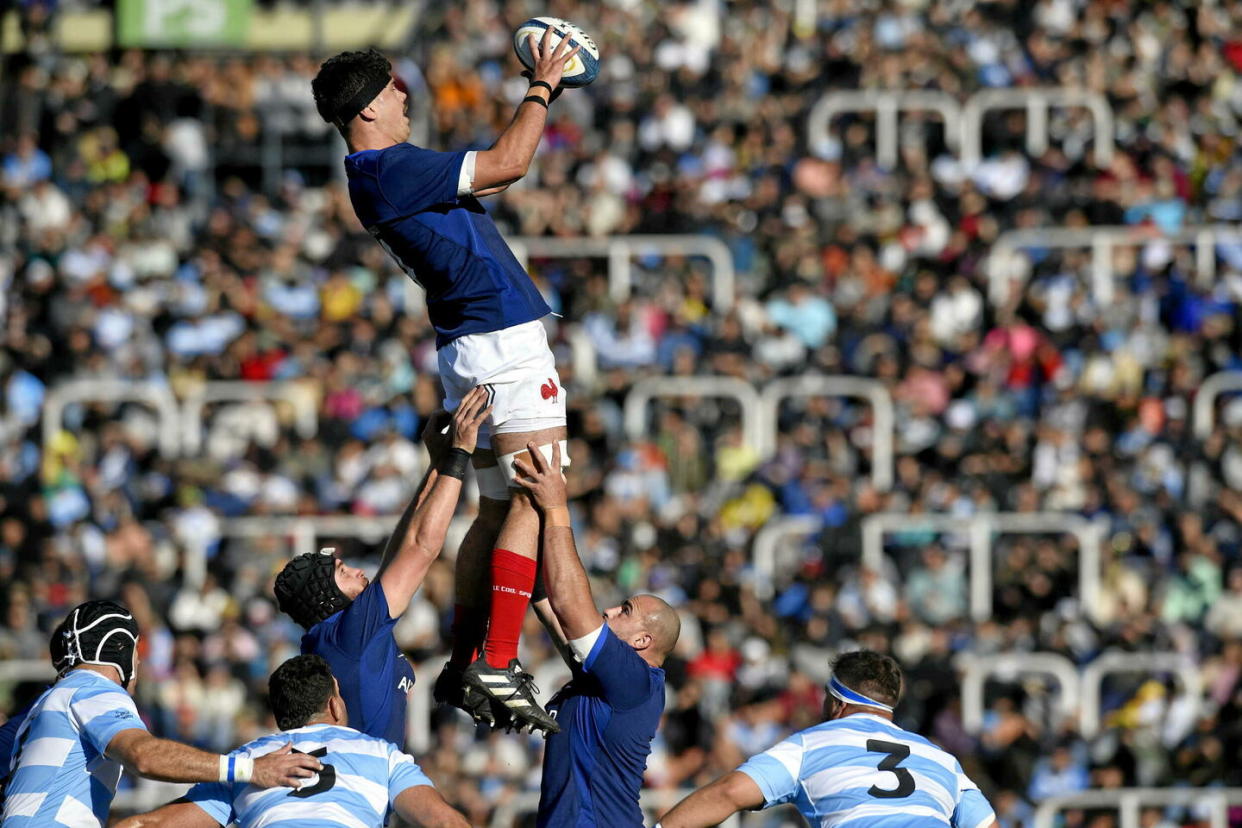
x: 582, y: 68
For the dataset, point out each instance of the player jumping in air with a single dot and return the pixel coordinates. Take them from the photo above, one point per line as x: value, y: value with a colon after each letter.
x: 423, y: 208
x: 855, y: 768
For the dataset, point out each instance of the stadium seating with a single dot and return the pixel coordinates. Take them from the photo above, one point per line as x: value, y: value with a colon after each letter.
x: 206, y: 362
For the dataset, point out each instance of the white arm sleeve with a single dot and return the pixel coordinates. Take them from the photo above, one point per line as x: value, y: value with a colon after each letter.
x: 465, y: 179
x: 582, y: 646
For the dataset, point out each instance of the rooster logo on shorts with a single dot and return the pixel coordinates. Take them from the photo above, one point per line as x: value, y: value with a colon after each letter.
x: 550, y: 391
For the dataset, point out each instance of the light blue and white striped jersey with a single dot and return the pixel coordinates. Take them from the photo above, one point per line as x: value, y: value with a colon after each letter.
x: 361, y: 778
x: 863, y: 770
x: 59, y: 774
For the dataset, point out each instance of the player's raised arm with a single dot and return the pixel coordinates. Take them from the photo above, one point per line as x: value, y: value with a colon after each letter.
x: 510, y: 157
x: 569, y: 590
x: 424, y: 526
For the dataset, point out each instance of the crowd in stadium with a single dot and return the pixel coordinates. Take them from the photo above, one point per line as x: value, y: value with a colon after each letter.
x: 141, y: 241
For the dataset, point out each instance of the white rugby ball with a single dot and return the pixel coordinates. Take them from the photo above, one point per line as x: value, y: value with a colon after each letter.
x: 582, y: 68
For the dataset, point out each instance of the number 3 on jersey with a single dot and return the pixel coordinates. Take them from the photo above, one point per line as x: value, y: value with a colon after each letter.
x: 891, y: 763
x: 327, y: 776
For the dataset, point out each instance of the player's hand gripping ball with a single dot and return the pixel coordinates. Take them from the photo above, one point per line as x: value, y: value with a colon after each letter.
x: 582, y: 67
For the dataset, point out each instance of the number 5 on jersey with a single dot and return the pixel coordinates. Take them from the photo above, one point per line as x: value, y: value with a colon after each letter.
x: 892, y: 763
x: 327, y: 776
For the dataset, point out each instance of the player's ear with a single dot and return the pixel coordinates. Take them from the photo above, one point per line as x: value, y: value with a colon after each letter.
x: 642, y: 641
x: 336, y: 709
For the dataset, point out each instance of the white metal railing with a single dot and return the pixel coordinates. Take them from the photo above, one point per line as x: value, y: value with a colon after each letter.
x: 303, y: 402
x: 1113, y: 663
x: 977, y: 669
x: 645, y: 390
x: 1129, y: 802
x: 151, y: 394
x: 621, y: 250
x: 1205, y: 400
x: 1037, y: 102
x: 768, y: 544
x: 887, y: 104
x: 653, y: 801
x: 980, y: 530
x: 872, y: 391
x: 963, y: 122
x: 1003, y: 269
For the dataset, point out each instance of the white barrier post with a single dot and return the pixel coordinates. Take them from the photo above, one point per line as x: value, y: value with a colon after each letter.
x: 152, y: 394
x: 887, y: 106
x: 1205, y: 400
x: 814, y: 385
x: 645, y: 390
x: 305, y: 413
x: 977, y: 669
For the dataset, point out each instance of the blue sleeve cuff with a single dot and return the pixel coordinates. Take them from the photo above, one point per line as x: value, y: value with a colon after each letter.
x: 772, y: 777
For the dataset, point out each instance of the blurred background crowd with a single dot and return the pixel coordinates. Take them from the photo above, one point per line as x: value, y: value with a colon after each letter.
x: 149, y: 234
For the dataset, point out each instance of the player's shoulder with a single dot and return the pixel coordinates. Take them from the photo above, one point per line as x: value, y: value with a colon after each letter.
x: 871, y: 727
x: 337, y: 739
x: 81, y: 685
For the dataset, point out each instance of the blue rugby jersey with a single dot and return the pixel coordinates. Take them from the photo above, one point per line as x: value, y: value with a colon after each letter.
x: 373, y: 673
x: 59, y: 774
x: 608, y: 713
x: 407, y: 198
x: 865, y: 770
x: 361, y: 779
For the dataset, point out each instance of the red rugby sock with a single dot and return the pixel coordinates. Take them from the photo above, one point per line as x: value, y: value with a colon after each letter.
x: 513, y: 578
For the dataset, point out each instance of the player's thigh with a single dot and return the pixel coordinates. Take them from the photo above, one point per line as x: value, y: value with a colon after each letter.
x: 518, y: 370
x: 508, y: 443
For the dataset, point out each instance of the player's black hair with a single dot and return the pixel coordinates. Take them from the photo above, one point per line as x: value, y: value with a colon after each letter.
x: 347, y: 82
x: 299, y: 690
x: 873, y: 674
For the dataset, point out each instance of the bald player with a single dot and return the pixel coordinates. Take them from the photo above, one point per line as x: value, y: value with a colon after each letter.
x: 610, y: 709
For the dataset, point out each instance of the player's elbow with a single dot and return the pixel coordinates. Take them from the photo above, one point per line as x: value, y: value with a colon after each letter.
x: 741, y: 792
x: 451, y: 819
x: 142, y: 761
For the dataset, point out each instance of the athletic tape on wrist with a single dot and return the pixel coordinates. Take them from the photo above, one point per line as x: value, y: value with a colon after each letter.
x: 454, y: 463
x: 244, y: 770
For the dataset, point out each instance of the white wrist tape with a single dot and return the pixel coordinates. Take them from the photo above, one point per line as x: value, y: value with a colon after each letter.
x: 236, y: 769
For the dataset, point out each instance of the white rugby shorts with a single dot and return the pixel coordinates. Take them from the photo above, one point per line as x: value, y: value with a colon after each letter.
x: 518, y: 369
